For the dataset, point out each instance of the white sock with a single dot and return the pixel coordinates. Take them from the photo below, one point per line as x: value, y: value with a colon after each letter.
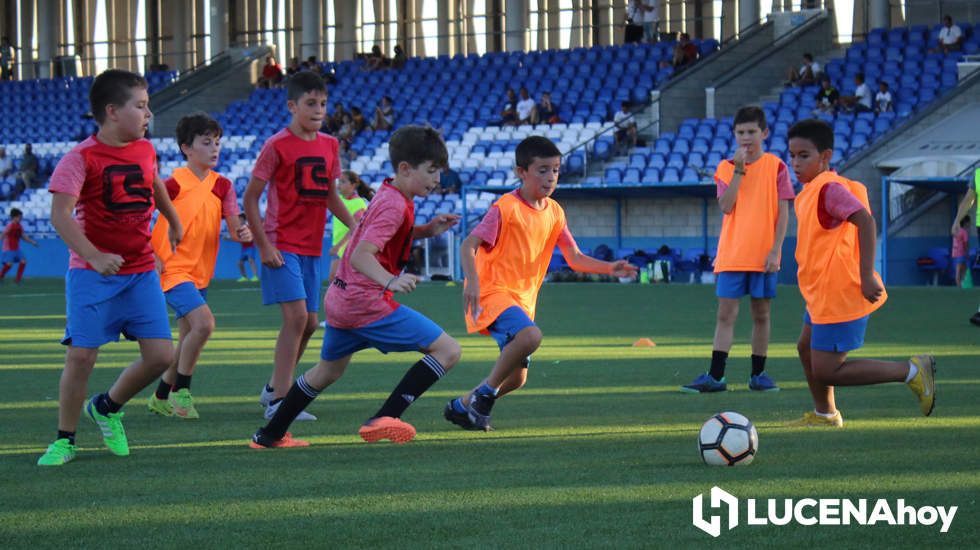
x: 913, y: 370
x: 825, y: 415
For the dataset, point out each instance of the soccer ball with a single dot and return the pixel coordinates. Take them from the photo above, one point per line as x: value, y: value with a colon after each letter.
x: 728, y: 439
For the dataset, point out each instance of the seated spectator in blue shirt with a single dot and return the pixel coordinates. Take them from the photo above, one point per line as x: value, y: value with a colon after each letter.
x: 449, y: 182
x: 546, y: 112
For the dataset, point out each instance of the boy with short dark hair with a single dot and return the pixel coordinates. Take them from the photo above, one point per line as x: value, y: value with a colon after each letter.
x: 110, y: 182
x: 202, y: 198
x: 835, y: 251
x: 505, y: 260
x: 11, y: 237
x: 302, y: 165
x: 754, y: 191
x: 359, y: 305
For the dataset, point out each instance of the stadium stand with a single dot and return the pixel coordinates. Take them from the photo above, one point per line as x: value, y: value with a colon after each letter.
x: 462, y: 95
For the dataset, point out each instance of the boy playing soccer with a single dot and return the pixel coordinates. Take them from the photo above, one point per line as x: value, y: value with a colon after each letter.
x: 110, y: 182
x: 302, y: 164
x: 202, y: 198
x: 505, y: 260
x: 754, y: 191
x: 247, y: 256
x: 11, y: 237
x: 835, y: 251
x: 359, y: 307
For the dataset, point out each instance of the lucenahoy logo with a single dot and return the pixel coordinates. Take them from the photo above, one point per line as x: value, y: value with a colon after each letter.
x: 824, y: 511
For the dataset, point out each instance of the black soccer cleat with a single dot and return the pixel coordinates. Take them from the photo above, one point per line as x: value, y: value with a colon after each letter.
x: 479, y: 411
x: 461, y: 419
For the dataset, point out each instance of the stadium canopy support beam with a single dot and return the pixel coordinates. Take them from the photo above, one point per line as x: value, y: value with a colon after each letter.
x: 879, y: 15
x: 515, y: 25
x: 312, y: 34
x: 47, y: 25
x: 220, y: 26
x: 748, y: 14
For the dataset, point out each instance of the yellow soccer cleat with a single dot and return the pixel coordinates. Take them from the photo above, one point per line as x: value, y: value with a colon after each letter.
x: 813, y: 420
x: 923, y: 385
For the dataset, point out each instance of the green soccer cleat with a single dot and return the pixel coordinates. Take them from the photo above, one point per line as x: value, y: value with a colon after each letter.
x: 160, y: 406
x: 113, y: 433
x: 58, y: 453
x: 183, y: 404
x: 242, y: 280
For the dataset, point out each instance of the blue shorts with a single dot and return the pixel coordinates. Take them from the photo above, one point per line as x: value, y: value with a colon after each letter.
x: 735, y: 284
x: 13, y: 257
x: 247, y: 253
x: 404, y: 329
x: 506, y: 326
x: 100, y: 307
x: 960, y: 260
x: 185, y: 298
x: 297, y: 279
x: 836, y: 337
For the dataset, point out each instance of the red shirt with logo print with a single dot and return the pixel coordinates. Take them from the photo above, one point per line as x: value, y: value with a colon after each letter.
x: 114, y: 188
x: 301, y: 174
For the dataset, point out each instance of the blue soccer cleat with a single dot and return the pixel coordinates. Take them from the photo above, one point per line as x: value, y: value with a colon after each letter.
x: 762, y: 382
x: 705, y: 384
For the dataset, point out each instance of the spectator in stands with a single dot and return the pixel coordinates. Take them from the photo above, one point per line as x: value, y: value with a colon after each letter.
x: 685, y: 52
x: 314, y: 65
x: 345, y: 135
x: 950, y: 37
x: 449, y: 182
x: 27, y: 176
x: 357, y: 120
x: 271, y: 74
x: 335, y: 121
x: 398, y: 61
x: 546, y: 112
x: 634, y: 23
x: 827, y: 97
x: 508, y: 116
x: 862, y: 100
x: 806, y: 75
x: 883, y: 99
x: 6, y: 163
x: 384, y: 115
x: 525, y: 108
x: 649, y: 14
x: 6, y: 59
x: 625, y: 128
x: 376, y: 59
x: 293, y: 67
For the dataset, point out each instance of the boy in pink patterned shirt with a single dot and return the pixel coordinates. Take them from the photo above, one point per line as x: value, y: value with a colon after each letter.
x: 961, y: 250
x: 362, y: 312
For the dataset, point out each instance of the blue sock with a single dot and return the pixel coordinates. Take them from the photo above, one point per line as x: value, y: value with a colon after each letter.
x: 458, y: 405
x: 485, y: 389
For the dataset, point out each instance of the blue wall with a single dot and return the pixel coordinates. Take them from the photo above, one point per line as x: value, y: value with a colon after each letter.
x: 51, y: 258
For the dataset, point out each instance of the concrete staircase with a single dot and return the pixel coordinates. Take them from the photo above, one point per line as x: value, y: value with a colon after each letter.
x: 741, y: 83
x: 683, y: 96
x: 718, y: 85
x: 211, y: 88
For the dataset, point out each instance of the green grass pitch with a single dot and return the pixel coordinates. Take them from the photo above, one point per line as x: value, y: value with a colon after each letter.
x: 599, y: 450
